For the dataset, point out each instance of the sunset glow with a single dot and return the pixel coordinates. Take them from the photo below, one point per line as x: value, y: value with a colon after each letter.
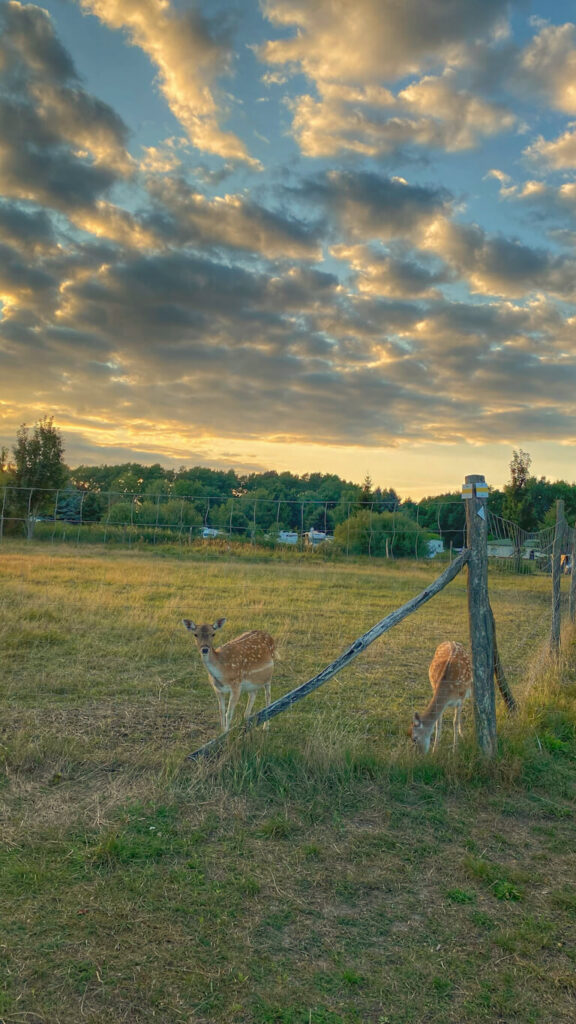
x: 291, y: 235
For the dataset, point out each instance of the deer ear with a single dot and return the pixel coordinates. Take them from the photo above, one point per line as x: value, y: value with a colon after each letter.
x: 189, y: 624
x: 219, y: 623
x: 417, y: 719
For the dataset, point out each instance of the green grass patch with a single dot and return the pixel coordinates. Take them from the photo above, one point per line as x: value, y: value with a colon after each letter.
x: 316, y: 874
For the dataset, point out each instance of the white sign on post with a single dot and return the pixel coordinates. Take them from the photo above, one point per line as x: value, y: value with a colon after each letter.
x: 479, y: 490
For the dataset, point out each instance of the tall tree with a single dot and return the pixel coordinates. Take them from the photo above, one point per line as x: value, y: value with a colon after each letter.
x: 518, y: 505
x: 520, y: 469
x: 39, y: 469
x: 367, y: 496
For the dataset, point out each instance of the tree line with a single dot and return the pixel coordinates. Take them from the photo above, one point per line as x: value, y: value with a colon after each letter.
x: 363, y: 518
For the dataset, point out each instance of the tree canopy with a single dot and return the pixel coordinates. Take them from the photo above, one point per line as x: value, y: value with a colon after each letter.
x: 37, y: 471
x: 248, y: 503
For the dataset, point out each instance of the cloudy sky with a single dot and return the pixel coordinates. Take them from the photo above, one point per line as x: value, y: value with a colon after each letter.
x: 292, y: 234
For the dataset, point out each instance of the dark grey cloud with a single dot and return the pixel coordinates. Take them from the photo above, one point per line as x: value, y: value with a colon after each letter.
x: 394, y: 271
x: 27, y: 34
x: 59, y: 146
x: 30, y: 230
x: 172, y: 290
x: 376, y: 39
x: 409, y: 277
x: 17, y: 274
x: 494, y: 323
x: 502, y: 265
x: 35, y: 163
x: 367, y: 205
x: 184, y: 216
x: 301, y: 288
x: 67, y: 339
x: 533, y: 424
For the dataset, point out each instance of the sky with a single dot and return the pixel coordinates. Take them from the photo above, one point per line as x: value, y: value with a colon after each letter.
x: 305, y: 235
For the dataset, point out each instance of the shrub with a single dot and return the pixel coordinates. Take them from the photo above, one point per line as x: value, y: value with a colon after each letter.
x: 385, y: 534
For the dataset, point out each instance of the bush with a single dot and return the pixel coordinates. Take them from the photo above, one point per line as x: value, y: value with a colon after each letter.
x: 384, y: 534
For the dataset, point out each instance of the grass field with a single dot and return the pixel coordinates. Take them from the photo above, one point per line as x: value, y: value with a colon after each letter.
x: 317, y: 874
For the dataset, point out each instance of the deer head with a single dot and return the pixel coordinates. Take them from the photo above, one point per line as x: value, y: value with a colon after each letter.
x: 204, y: 635
x: 420, y: 734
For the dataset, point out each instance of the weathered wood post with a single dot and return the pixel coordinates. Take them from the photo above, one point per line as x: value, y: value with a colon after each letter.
x: 556, y: 577
x: 475, y: 492
x: 507, y: 695
x: 573, y: 578
x: 2, y: 512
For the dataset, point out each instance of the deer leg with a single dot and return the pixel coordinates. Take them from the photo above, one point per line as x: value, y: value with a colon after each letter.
x: 252, y: 698
x: 234, y: 694
x: 250, y: 704
x: 268, y: 696
x: 437, y: 733
x: 455, y: 740
x: 457, y: 724
x: 221, y: 704
x: 222, y: 709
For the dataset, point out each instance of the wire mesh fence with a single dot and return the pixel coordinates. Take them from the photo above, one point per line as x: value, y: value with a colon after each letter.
x: 379, y: 528
x: 386, y: 528
x: 513, y: 549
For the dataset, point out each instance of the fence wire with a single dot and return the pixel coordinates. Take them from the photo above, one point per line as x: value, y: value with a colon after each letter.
x: 522, y: 550
x: 380, y: 527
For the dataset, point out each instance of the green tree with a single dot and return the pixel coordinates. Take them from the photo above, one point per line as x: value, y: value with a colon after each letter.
x: 367, y: 495
x: 444, y: 514
x: 518, y: 505
x: 39, y: 469
x: 6, y: 468
x: 79, y: 506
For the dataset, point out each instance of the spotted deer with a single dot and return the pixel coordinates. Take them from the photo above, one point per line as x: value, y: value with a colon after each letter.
x: 450, y: 674
x: 243, y: 665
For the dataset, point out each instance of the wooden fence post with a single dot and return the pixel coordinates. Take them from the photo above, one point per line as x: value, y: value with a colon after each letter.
x: 480, y: 616
x: 2, y: 513
x: 556, y: 577
x: 573, y: 577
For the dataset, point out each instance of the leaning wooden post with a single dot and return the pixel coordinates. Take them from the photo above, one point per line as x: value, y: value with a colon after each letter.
x: 556, y: 576
x: 507, y: 695
x: 573, y: 578
x: 475, y: 491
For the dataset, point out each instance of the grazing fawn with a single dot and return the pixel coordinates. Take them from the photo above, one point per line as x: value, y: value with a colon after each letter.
x: 243, y: 665
x: 450, y: 675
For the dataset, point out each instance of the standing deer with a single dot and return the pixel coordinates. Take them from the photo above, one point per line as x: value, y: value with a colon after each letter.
x: 450, y: 676
x: 243, y: 665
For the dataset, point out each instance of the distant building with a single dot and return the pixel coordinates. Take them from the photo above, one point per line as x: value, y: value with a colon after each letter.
x: 435, y: 547
x: 505, y: 549
x: 315, y: 537
x: 287, y: 537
